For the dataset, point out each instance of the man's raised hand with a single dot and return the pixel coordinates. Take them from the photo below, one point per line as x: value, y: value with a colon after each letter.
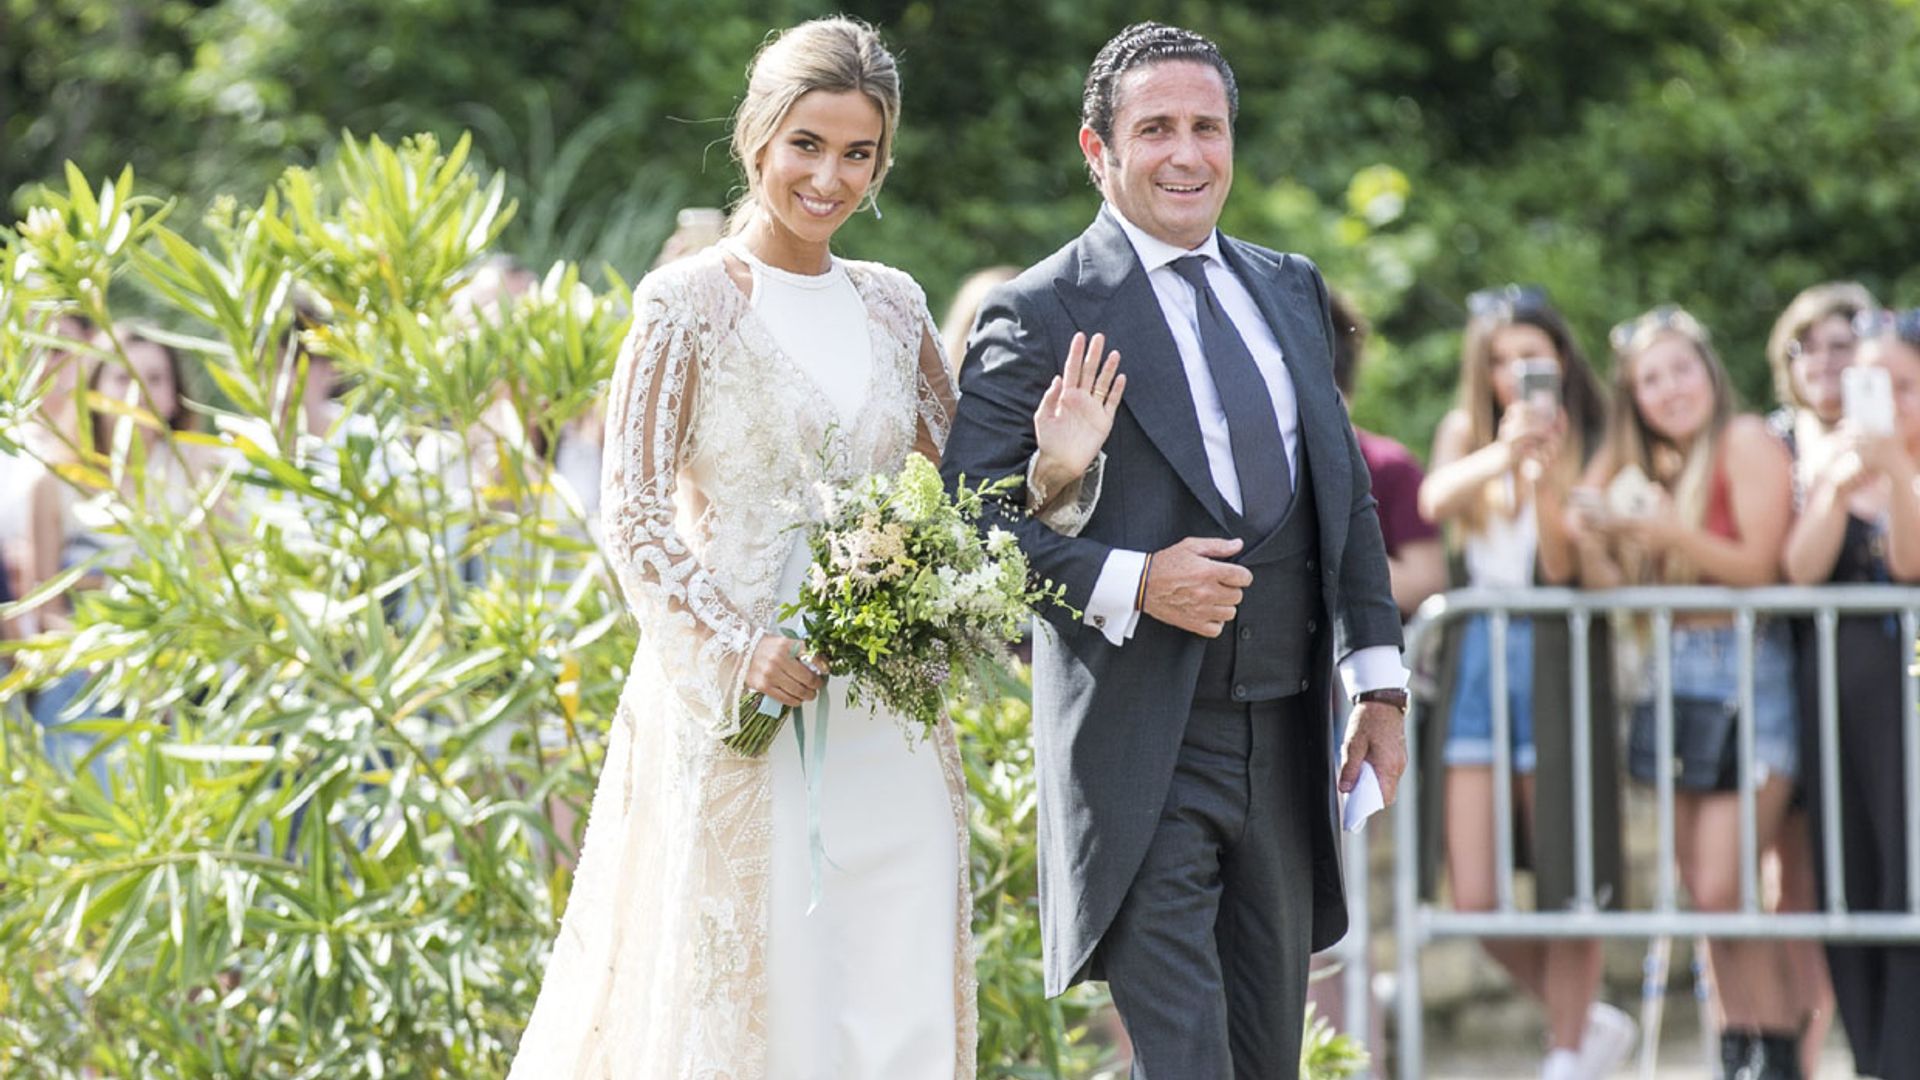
x: 1076, y: 413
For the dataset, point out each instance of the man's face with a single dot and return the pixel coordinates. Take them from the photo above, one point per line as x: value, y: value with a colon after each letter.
x: 1170, y: 162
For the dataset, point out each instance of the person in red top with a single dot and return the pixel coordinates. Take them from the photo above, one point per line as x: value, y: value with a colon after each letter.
x: 1416, y: 558
x: 1416, y: 568
x: 1658, y: 506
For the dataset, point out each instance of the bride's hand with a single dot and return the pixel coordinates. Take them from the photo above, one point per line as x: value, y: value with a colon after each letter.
x: 778, y: 670
x: 1077, y: 411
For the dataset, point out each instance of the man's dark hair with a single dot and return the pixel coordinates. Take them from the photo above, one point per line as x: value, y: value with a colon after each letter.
x: 1349, y: 341
x: 1139, y: 45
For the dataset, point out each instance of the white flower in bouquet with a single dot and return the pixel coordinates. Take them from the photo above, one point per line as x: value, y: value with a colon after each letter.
x: 905, y: 595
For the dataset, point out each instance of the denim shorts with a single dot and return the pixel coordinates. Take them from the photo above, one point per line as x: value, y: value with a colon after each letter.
x: 63, y: 745
x: 1706, y: 664
x: 1470, y: 713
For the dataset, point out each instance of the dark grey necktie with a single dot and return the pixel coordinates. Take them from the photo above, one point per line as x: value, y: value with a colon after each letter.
x: 1259, y: 452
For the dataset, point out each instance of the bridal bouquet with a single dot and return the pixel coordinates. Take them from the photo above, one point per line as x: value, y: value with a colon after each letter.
x: 905, y: 595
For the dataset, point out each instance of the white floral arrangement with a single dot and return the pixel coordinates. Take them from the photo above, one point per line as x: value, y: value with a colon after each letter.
x: 906, y: 595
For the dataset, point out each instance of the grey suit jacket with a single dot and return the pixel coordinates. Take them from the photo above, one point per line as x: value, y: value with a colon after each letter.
x: 1108, y: 720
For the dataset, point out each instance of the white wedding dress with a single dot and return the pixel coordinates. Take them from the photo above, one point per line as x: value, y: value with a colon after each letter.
x: 687, y: 950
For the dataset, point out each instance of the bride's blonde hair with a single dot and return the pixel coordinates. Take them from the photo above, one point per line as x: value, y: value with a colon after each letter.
x: 836, y: 55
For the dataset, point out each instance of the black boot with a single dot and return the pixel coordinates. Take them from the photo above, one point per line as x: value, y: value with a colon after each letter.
x: 1751, y: 1055
x: 1777, y: 1056
x: 1737, y: 1050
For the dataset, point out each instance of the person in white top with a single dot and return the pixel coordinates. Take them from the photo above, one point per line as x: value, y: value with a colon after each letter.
x: 73, y: 524
x: 1504, y: 458
x: 688, y: 948
x: 48, y: 437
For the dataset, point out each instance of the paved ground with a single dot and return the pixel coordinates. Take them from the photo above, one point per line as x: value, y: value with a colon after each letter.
x: 1682, y: 1057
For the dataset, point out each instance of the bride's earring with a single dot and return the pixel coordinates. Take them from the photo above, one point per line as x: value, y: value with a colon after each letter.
x: 874, y: 201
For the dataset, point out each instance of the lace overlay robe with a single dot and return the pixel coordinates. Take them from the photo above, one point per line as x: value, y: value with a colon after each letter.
x: 714, y: 439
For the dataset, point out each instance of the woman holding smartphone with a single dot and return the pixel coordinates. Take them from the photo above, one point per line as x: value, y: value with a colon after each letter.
x: 1673, y: 515
x: 1811, y: 346
x: 1861, y: 524
x: 1503, y: 460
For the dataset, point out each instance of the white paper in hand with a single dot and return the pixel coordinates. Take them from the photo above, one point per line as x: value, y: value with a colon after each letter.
x: 1363, y: 801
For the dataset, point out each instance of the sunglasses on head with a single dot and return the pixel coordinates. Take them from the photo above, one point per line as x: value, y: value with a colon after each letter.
x: 1664, y: 317
x: 1799, y: 348
x: 1904, y: 325
x: 1507, y: 301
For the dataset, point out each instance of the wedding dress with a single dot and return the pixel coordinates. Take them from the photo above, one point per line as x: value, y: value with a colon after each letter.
x: 686, y: 950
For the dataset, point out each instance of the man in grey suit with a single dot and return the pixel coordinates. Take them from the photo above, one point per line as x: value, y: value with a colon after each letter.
x: 1188, y: 845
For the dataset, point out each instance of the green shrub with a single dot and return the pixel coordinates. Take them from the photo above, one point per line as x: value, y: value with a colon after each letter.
x: 325, y: 682
x: 1022, y: 1033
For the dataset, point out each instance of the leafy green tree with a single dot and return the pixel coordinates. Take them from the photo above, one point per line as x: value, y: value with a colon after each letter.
x: 1719, y: 154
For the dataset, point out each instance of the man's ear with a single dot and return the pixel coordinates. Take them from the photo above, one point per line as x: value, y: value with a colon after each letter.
x: 1094, y: 148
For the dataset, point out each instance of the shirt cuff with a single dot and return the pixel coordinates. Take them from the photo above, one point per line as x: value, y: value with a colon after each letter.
x: 1110, y: 609
x: 1376, y: 667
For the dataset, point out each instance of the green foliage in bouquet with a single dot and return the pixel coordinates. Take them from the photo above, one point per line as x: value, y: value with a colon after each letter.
x: 341, y: 685
x: 907, y: 596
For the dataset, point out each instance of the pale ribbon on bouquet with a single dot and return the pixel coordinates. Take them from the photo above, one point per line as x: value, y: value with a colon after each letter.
x: 813, y: 766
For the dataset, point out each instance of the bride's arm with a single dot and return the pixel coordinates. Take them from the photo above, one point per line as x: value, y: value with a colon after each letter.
x: 702, y: 639
x: 934, y: 398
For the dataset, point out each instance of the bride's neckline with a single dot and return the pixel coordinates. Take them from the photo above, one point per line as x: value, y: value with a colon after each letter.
x: 835, y: 271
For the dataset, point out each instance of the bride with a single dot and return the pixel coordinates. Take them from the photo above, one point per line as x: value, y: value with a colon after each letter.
x: 688, y: 949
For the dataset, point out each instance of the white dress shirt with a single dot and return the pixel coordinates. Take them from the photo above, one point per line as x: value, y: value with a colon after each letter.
x: 1110, y: 609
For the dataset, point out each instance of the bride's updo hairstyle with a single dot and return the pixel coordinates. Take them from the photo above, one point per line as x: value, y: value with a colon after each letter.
x: 835, y: 55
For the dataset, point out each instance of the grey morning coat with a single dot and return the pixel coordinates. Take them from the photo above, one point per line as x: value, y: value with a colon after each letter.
x: 1108, y: 720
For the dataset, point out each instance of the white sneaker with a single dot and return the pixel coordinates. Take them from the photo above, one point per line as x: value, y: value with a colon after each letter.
x: 1609, y: 1038
x: 1562, y: 1065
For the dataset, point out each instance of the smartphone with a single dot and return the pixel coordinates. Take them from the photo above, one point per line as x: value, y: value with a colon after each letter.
x: 1866, y: 396
x: 1590, y: 504
x: 698, y: 228
x: 1538, y: 382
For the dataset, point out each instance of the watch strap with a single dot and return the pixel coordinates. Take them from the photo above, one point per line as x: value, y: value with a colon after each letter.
x: 1386, y: 696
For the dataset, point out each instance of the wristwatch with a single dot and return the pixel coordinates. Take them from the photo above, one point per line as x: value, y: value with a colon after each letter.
x: 1385, y: 696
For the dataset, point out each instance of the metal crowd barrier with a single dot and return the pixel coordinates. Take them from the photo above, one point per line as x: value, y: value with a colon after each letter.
x: 1418, y: 923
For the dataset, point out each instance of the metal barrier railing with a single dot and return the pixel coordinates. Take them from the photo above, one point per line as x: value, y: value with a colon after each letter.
x: 1418, y: 924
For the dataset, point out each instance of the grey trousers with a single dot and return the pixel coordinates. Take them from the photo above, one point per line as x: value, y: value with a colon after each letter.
x: 1207, y: 957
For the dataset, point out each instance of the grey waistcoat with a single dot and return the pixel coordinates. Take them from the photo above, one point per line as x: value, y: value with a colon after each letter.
x: 1266, y: 651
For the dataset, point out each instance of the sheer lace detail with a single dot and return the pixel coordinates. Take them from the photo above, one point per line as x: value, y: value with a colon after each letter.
x: 659, y: 967
x: 1073, y: 507
x: 703, y: 639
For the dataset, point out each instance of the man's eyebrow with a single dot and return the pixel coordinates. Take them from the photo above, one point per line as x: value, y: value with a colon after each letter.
x: 1169, y: 118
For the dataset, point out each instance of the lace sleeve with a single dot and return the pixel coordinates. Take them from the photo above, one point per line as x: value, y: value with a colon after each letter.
x: 1068, y: 510
x: 702, y: 640
x: 935, y: 397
